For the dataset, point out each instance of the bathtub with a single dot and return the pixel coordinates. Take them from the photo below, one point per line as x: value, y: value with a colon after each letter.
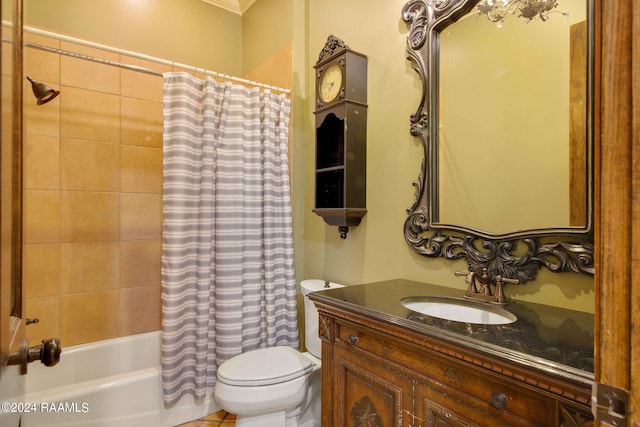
x: 111, y: 383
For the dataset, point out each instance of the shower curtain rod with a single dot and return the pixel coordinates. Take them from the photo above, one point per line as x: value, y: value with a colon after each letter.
x: 134, y: 55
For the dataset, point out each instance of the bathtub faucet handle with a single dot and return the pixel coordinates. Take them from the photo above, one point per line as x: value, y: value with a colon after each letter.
x: 48, y: 353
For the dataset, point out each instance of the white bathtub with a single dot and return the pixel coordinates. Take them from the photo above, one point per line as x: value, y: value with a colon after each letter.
x: 111, y: 383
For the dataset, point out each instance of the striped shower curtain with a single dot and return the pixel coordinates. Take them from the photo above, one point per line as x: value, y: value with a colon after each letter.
x: 228, y: 282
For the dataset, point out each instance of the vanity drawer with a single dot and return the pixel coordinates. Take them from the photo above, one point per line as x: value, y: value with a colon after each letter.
x: 434, y: 407
x: 449, y: 389
x: 481, y: 399
x: 365, y: 340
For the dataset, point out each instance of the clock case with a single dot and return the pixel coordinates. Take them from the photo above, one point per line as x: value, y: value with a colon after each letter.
x: 341, y: 140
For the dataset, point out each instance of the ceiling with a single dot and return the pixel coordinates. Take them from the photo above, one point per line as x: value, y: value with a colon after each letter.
x: 235, y: 6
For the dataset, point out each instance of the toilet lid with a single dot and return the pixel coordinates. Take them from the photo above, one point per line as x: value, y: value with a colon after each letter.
x: 264, y: 366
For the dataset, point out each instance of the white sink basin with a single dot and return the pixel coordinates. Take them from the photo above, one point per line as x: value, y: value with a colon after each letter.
x: 459, y: 310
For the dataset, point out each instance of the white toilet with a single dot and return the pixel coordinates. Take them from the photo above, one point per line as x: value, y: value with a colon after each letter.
x: 276, y: 386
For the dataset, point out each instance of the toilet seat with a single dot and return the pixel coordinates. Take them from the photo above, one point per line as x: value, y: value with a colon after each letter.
x: 265, y: 366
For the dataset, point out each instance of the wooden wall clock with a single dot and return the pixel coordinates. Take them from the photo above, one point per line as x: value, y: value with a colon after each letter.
x: 341, y: 135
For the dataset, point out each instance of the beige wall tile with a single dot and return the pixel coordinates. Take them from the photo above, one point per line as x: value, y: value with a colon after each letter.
x: 93, y: 254
x: 88, y: 165
x: 41, y: 270
x: 47, y: 311
x: 42, y: 162
x: 89, y: 216
x: 42, y: 216
x: 91, y: 115
x: 140, y: 263
x: 41, y: 119
x: 97, y: 76
x: 89, y: 266
x: 88, y: 317
x: 141, y: 216
x: 90, y: 51
x: 141, y: 122
x: 141, y: 169
x: 140, y: 310
x: 90, y: 75
x: 276, y: 70
x: 43, y: 67
x: 140, y: 85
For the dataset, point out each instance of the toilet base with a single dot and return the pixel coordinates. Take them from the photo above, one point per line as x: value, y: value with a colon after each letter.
x: 274, y: 419
x: 307, y: 414
x: 279, y: 419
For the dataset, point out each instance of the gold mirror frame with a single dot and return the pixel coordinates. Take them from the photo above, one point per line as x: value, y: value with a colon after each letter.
x: 518, y: 254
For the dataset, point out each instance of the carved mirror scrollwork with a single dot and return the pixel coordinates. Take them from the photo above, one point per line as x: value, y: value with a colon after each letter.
x: 506, y: 124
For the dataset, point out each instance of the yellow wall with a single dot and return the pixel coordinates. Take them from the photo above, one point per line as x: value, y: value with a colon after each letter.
x: 186, y: 31
x: 267, y: 26
x: 376, y: 249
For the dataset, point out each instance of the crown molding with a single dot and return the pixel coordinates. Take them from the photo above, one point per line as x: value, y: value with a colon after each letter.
x: 236, y: 6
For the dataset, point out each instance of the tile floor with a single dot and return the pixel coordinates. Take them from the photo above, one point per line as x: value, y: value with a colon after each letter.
x: 217, y: 419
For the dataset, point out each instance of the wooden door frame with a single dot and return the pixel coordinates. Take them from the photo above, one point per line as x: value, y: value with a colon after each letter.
x: 617, y: 204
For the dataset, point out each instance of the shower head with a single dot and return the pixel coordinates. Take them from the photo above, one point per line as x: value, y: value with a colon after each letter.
x: 42, y: 92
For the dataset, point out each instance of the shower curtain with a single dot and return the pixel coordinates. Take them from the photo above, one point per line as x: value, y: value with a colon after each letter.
x: 228, y: 282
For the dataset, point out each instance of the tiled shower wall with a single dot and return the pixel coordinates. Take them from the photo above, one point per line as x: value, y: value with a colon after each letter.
x: 93, y: 186
x: 93, y: 190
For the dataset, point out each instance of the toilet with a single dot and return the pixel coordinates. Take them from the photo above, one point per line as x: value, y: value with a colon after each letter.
x: 276, y: 386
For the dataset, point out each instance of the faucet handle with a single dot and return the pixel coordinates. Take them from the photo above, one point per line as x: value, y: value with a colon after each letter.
x: 48, y: 353
x: 470, y: 280
x: 505, y: 280
x: 500, y: 297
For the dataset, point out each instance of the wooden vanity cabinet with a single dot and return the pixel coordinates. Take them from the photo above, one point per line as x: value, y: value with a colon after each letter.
x: 379, y: 375
x: 361, y: 389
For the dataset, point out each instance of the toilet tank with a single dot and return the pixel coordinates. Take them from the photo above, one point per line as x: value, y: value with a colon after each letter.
x: 312, y: 341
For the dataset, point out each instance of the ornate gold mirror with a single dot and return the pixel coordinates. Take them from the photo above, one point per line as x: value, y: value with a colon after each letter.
x: 506, y: 123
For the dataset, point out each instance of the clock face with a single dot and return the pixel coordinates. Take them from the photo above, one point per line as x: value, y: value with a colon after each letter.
x: 330, y: 83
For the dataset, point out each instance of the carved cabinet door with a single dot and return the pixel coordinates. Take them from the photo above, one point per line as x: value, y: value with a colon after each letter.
x: 368, y: 394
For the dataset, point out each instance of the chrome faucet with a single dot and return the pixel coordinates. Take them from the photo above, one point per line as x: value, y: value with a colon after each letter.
x: 479, y: 286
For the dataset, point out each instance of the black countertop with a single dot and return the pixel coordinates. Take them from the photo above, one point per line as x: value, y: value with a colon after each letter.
x: 551, y: 338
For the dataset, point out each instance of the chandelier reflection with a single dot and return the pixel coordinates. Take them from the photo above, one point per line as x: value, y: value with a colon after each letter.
x: 497, y: 10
